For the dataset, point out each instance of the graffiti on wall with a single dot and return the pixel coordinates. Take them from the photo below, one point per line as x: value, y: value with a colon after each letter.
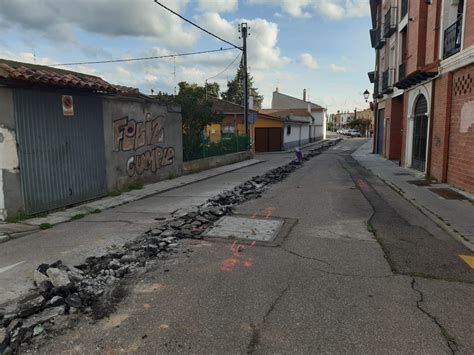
x: 131, y: 135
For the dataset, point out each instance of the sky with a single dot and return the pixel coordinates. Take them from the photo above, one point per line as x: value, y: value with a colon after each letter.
x: 322, y: 46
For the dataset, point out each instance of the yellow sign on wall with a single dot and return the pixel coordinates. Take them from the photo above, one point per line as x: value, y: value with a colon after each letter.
x: 68, y: 105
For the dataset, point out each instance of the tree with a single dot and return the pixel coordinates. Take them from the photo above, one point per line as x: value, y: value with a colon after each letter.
x: 235, y: 90
x: 196, y: 113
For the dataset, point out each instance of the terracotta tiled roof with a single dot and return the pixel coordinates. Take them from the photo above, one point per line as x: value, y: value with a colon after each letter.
x: 299, y: 115
x: 301, y: 112
x: 25, y: 73
x: 219, y: 105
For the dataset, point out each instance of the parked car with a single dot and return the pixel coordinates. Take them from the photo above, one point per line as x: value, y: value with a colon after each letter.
x: 355, y: 133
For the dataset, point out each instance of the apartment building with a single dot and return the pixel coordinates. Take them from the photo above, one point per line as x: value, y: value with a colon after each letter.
x: 423, y: 86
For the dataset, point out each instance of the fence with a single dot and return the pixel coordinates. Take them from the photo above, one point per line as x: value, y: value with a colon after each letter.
x: 204, y: 148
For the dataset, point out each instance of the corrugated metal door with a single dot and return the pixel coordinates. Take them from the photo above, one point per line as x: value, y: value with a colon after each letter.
x: 62, y: 158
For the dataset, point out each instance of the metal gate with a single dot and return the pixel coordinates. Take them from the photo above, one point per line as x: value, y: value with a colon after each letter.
x: 62, y: 158
x: 380, y: 130
x: 420, y: 134
x: 267, y: 139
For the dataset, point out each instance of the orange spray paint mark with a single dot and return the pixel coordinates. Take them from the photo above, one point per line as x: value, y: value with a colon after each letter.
x: 228, y: 265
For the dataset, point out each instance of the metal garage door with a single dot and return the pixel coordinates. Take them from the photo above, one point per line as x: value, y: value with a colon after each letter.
x: 62, y: 158
x: 267, y: 139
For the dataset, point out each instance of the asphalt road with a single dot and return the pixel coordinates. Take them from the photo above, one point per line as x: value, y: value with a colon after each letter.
x: 327, y: 286
x: 74, y: 241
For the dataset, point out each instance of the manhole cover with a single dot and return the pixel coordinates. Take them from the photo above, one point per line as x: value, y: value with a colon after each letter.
x: 449, y: 194
x: 402, y: 174
x: 246, y: 228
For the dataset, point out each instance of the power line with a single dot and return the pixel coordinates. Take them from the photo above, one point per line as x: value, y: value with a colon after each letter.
x: 196, y: 25
x: 142, y: 58
x: 223, y: 71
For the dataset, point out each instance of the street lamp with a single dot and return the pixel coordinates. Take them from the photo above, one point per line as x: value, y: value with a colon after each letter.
x: 366, y: 95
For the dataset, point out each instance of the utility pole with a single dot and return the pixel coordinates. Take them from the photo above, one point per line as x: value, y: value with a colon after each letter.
x: 244, y: 32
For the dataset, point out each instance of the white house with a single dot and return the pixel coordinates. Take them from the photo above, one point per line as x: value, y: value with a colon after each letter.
x: 317, y: 113
x: 298, y: 129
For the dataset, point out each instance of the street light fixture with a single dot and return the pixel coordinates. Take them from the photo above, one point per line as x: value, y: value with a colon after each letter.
x: 366, y: 95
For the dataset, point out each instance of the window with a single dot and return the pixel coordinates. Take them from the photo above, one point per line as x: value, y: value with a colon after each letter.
x: 228, y: 129
x: 288, y: 130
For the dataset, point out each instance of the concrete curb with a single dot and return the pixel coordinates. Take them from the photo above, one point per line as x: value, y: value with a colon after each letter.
x: 127, y: 197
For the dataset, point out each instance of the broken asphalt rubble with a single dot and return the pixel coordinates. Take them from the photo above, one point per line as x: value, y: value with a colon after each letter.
x: 91, y: 287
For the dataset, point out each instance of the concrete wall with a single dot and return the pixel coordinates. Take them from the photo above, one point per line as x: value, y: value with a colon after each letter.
x: 10, y: 183
x: 299, y: 135
x: 198, y: 165
x: 143, y: 142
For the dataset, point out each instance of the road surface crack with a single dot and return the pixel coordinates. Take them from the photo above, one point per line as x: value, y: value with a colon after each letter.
x: 255, y: 339
x: 303, y: 256
x: 450, y: 341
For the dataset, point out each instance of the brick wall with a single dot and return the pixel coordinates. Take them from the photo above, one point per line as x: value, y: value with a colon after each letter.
x: 461, y: 138
x: 431, y: 33
x: 438, y: 122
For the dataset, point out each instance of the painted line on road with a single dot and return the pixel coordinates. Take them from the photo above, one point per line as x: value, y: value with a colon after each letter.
x: 469, y: 260
x: 6, y: 268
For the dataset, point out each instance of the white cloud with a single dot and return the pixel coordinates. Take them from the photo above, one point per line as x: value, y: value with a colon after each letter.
x: 218, y: 5
x: 263, y: 50
x: 333, y: 9
x: 58, y: 19
x: 338, y: 69
x: 308, y: 61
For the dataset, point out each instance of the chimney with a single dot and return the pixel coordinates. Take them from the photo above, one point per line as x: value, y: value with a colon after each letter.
x: 276, y: 90
x: 304, y: 94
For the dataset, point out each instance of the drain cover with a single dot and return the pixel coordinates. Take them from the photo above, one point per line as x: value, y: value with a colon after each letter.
x: 233, y: 227
x: 449, y: 194
x: 420, y: 182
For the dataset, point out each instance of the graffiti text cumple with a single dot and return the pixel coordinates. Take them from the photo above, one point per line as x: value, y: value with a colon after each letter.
x: 151, y: 160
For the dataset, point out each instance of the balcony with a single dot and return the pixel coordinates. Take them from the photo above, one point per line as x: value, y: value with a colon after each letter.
x: 452, y: 38
x: 404, y: 9
x: 387, y: 81
x: 377, y: 93
x: 401, y: 71
x: 390, y: 22
x: 376, y: 38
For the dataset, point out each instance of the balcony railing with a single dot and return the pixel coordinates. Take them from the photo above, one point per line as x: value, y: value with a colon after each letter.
x: 390, y: 22
x: 376, y: 38
x: 404, y: 9
x: 452, y: 38
x: 387, y: 80
x: 376, y: 87
x: 401, y: 71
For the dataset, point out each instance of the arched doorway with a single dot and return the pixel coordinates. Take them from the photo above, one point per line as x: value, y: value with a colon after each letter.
x: 420, y: 134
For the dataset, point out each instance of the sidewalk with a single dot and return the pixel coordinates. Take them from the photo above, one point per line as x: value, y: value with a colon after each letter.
x: 453, y: 215
x: 9, y: 231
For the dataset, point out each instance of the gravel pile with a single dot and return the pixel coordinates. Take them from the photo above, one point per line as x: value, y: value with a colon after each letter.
x: 91, y: 288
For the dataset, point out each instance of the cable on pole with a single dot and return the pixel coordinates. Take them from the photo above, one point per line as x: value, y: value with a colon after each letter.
x: 197, y: 26
x: 142, y: 58
x: 226, y: 68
